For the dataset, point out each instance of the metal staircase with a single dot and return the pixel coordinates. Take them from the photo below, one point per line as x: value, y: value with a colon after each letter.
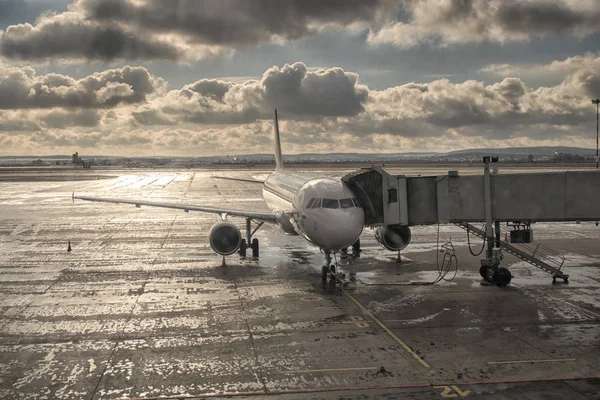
x: 539, y: 256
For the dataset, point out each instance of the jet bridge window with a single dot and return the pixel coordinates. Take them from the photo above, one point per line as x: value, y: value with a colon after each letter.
x: 331, y: 203
x: 346, y: 203
x: 310, y: 203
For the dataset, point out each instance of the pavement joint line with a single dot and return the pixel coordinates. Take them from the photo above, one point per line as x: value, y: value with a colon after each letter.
x: 564, y: 301
x: 387, y: 330
x: 531, y: 361
x: 300, y: 371
x: 355, y: 388
x: 523, y: 340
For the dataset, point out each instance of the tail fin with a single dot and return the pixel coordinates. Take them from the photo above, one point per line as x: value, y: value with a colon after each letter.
x: 278, y: 157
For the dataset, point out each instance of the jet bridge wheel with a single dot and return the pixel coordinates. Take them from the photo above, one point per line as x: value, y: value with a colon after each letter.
x: 502, y: 277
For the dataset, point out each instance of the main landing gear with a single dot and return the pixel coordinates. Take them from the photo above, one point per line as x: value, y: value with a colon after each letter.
x: 249, y: 242
x: 355, y: 250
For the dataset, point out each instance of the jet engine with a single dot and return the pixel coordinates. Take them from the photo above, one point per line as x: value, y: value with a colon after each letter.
x: 393, y: 237
x: 225, y: 238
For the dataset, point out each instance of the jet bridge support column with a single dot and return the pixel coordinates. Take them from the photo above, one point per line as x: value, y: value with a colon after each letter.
x: 490, y: 266
x: 487, y: 185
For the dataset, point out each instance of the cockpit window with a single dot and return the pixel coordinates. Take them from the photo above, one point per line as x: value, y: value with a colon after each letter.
x: 356, y: 202
x: 316, y: 204
x: 346, y: 203
x: 331, y: 203
x: 310, y: 203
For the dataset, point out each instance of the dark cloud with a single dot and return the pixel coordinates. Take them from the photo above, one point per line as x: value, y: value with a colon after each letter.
x: 175, y: 29
x: 544, y: 18
x: 67, y: 36
x: 461, y: 21
x: 232, y: 22
x: 21, y: 88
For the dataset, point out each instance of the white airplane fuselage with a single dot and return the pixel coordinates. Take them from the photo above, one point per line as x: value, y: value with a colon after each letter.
x: 321, y: 209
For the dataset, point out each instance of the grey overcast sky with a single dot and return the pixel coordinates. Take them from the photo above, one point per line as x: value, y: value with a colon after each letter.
x: 183, y: 77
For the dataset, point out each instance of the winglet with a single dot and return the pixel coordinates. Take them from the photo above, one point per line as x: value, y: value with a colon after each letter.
x: 278, y: 157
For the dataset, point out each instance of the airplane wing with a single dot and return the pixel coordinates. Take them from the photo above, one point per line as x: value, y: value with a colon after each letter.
x: 261, y: 216
x: 238, y: 179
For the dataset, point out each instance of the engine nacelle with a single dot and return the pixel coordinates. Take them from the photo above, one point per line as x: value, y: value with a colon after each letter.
x: 393, y: 237
x: 225, y: 238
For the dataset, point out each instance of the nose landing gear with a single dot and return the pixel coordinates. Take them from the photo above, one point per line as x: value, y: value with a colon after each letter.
x: 329, y: 271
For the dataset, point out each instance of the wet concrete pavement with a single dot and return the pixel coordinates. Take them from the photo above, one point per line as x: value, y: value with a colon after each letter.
x: 142, y: 308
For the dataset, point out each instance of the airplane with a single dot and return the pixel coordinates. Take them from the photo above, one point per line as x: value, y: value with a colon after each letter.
x: 322, y: 209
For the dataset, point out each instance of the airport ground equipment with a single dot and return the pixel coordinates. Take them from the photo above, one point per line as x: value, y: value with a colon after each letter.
x: 515, y: 199
x: 536, y: 254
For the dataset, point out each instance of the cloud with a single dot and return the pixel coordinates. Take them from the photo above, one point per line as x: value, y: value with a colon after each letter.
x: 106, y: 30
x: 232, y: 23
x: 442, y: 22
x: 321, y: 110
x: 558, y: 69
x: 67, y: 36
x: 293, y: 89
x: 21, y: 88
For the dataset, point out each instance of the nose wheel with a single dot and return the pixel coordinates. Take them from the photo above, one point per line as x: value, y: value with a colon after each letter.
x: 329, y: 270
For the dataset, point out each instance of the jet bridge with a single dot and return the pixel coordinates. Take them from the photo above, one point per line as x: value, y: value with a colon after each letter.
x: 491, y: 198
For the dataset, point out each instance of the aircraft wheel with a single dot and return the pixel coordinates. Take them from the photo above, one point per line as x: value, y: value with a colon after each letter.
x: 502, y: 277
x: 254, y: 247
x: 324, y: 272
x: 483, y: 272
x: 243, y: 247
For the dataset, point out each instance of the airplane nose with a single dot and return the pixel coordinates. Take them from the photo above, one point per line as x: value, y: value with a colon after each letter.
x: 338, y: 232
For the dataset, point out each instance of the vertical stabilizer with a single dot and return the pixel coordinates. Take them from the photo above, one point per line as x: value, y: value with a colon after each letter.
x: 278, y: 158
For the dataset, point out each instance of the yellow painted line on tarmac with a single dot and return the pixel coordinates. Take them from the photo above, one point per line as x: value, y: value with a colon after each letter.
x: 530, y: 361
x: 301, y: 371
x: 389, y: 332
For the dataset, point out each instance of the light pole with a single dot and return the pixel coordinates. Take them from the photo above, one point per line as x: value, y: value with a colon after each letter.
x: 596, y: 102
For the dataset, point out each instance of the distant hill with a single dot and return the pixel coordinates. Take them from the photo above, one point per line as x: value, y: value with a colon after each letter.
x: 540, y: 151
x: 524, y: 151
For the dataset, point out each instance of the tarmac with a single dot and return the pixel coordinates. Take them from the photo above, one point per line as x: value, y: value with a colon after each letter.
x: 141, y: 308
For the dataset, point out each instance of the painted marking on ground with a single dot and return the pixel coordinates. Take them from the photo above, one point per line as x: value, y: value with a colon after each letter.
x: 358, y: 320
x: 389, y: 332
x: 452, y: 391
x: 303, y: 371
x: 531, y: 361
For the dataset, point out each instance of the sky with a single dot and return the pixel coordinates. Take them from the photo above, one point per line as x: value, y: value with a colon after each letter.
x: 199, y: 78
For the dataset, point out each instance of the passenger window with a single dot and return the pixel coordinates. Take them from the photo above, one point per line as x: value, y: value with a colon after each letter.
x: 346, y: 203
x: 310, y: 203
x: 356, y: 202
x: 317, y: 203
x: 331, y: 203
